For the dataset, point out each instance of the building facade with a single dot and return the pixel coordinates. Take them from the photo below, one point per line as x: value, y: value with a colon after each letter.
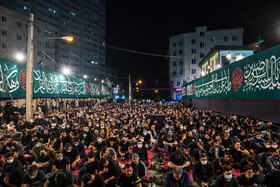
x: 84, y: 20
x: 221, y: 56
x: 188, y: 49
x: 13, y: 37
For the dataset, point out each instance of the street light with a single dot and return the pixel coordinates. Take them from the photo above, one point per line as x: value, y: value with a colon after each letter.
x: 68, y: 38
x: 66, y: 71
x: 102, y: 81
x: 20, y: 56
x: 85, y: 76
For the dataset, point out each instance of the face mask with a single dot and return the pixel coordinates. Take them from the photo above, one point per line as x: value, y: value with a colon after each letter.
x: 68, y: 150
x: 228, y: 177
x: 226, y: 138
x: 145, y: 133
x: 139, y: 146
x: 249, y: 176
x: 76, y: 144
x: 37, y: 145
x: 102, y: 127
x: 84, y: 136
x: 181, y: 128
x: 99, y: 140
x: 33, y: 177
x: 59, y: 158
x: 31, y: 121
x: 10, y: 161
x: 138, y: 123
x: 131, y: 130
x: 258, y: 138
x: 267, y: 146
x: 203, y: 162
x: 86, y: 130
x: 97, y: 125
x: 142, y: 140
x: 185, y: 128
x: 39, y: 118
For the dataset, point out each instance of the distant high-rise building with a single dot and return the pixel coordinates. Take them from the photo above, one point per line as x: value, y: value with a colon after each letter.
x: 84, y: 20
x: 13, y: 39
x: 191, y: 48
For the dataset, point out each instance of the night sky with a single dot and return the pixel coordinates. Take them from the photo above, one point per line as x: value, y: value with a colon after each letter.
x: 146, y: 25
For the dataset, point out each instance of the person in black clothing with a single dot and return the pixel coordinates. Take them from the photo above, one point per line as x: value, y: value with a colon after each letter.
x: 128, y: 179
x: 14, y: 112
x: 139, y: 167
x: 32, y: 175
x: 80, y: 146
x: 226, y: 179
x: 237, y: 153
x: 109, y: 171
x: 178, y: 159
x: 248, y: 177
x: 44, y: 161
x: 61, y: 162
x: 216, y: 151
x: 88, y: 165
x: 73, y: 155
x: 11, y: 176
x: 203, y: 172
x: 141, y: 151
x: 218, y: 166
x: 227, y: 141
x: 92, y: 180
x: 19, y: 157
x: 124, y: 149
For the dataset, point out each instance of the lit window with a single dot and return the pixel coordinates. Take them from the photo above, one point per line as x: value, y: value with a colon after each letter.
x: 54, y: 11
x: 73, y: 14
x: 25, y: 8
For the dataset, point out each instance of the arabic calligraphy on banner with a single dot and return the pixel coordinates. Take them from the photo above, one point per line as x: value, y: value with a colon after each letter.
x: 45, y: 83
x: 257, y: 76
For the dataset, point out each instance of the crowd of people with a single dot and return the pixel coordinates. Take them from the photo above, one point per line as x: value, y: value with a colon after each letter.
x: 94, y: 140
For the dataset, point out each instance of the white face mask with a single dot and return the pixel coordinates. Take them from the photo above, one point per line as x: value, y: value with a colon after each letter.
x: 203, y: 162
x: 76, y: 144
x: 59, y: 158
x: 33, y: 177
x: 10, y: 161
x: 68, y: 150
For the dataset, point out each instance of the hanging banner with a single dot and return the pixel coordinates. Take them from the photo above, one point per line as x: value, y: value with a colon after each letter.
x: 45, y: 83
x: 257, y: 76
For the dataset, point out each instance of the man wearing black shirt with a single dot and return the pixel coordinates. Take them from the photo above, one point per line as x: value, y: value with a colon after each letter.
x: 73, y: 155
x: 80, y: 146
x: 88, y: 165
x: 141, y: 151
x: 44, y: 161
x: 61, y: 162
x: 109, y: 171
x: 178, y: 159
x: 139, y: 167
x: 14, y: 111
x: 248, y: 177
x: 128, y: 179
x: 124, y: 148
x: 92, y: 180
x: 11, y: 176
x: 226, y: 179
x: 32, y: 175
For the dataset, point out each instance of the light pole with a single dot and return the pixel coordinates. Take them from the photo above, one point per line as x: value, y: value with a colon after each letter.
x: 29, y: 67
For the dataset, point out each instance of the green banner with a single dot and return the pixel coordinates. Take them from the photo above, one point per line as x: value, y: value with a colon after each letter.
x: 257, y: 76
x: 45, y: 83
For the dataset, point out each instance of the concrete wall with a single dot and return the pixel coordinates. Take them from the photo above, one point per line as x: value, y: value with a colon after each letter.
x: 262, y: 109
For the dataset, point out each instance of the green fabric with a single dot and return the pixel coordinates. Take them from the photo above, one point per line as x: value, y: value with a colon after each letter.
x: 257, y: 76
x: 45, y: 83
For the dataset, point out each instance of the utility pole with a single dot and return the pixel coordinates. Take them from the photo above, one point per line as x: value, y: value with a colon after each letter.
x: 29, y: 67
